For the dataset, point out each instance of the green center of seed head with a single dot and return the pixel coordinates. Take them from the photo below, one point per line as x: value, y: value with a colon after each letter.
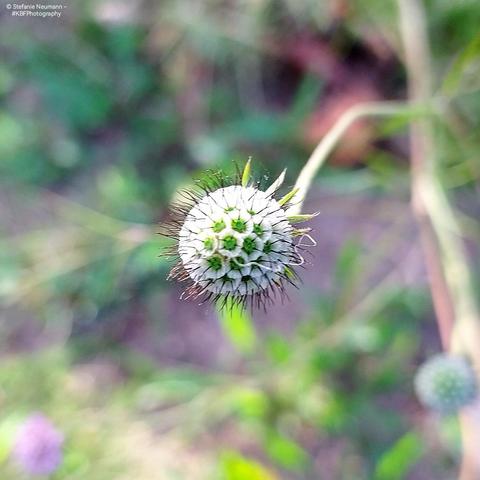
x: 249, y: 245
x: 215, y: 263
x: 267, y: 248
x: 257, y: 228
x: 239, y: 225
x: 445, y: 383
x: 208, y: 243
x: 218, y: 226
x: 229, y: 242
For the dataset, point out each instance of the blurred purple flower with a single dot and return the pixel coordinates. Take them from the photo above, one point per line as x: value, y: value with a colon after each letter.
x: 38, y: 446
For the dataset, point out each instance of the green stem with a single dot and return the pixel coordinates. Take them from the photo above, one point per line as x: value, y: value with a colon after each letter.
x: 429, y: 195
x: 447, y: 263
x: 330, y: 140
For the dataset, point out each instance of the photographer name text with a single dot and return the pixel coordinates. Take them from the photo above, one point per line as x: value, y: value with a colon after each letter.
x: 35, y: 10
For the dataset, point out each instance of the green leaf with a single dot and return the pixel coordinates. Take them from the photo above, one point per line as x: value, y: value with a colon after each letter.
x: 466, y: 64
x: 238, y: 326
x: 250, y: 402
x: 236, y: 467
x: 286, y: 452
x: 395, y: 463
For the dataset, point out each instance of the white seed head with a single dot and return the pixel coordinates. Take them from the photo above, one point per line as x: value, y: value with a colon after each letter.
x: 446, y: 383
x: 236, y: 240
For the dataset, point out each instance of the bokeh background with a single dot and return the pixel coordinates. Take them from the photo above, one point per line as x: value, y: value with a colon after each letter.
x: 104, y: 114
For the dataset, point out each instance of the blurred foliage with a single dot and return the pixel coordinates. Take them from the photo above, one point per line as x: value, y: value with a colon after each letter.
x: 396, y: 462
x: 238, y: 326
x: 236, y: 467
x: 39, y: 383
x: 104, y: 115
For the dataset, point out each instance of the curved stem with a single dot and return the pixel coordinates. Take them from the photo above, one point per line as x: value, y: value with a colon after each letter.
x: 330, y: 140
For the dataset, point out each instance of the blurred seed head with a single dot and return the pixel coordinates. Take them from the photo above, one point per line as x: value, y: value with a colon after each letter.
x: 446, y: 383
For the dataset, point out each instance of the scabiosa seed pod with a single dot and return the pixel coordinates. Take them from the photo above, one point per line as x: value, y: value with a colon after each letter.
x: 446, y: 383
x: 234, y: 241
x: 38, y: 446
